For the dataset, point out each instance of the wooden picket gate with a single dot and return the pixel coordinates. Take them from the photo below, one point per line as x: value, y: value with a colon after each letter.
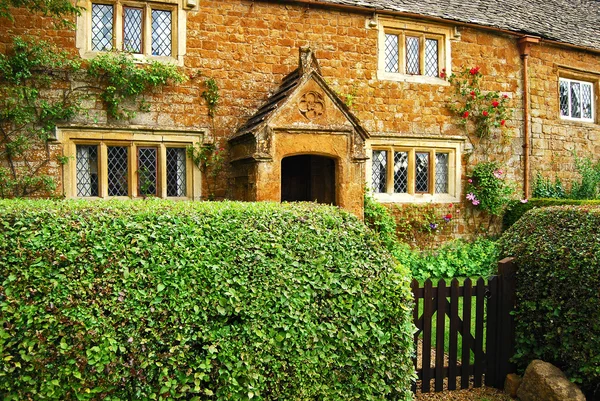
x: 480, y: 338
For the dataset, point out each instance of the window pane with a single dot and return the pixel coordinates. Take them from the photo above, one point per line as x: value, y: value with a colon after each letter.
x: 431, y: 58
x: 176, y: 172
x: 422, y: 172
x: 401, y: 172
x: 132, y: 30
x: 441, y: 173
x: 586, y: 100
x: 564, y: 98
x: 102, y: 27
x: 161, y: 33
x: 412, y: 55
x: 391, y: 53
x: 117, y: 171
x: 147, y: 158
x: 87, y: 170
x: 379, y: 171
x: 575, y: 100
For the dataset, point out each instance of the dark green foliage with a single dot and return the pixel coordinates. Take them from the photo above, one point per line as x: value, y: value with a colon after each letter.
x: 557, y: 251
x: 453, y: 259
x: 61, y: 10
x: 516, y: 209
x: 589, y: 186
x: 228, y: 301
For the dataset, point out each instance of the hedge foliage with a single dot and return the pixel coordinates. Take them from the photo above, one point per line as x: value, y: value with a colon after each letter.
x: 557, y: 251
x: 197, y: 301
x: 516, y: 209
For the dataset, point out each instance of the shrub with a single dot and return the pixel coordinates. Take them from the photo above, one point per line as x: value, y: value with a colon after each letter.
x: 516, y: 209
x: 155, y: 300
x: 488, y: 189
x: 557, y: 251
x: 454, y: 259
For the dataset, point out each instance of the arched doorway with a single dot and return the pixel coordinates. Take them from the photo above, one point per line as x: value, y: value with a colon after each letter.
x: 308, y: 178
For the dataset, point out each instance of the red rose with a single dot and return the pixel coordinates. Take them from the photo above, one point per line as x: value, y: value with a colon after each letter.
x: 502, y: 123
x: 485, y: 113
x: 505, y: 96
x: 474, y: 71
x: 465, y: 114
x: 495, y: 103
x: 473, y: 93
x: 448, y: 216
x: 442, y: 74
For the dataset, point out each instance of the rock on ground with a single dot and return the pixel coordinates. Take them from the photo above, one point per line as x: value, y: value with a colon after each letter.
x: 545, y: 382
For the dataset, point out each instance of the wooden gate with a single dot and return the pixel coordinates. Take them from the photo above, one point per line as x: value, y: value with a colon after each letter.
x: 465, y: 332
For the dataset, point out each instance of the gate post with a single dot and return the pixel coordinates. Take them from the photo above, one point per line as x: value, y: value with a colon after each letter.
x: 506, y: 321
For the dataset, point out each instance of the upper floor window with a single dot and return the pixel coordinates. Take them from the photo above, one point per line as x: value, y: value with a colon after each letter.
x: 576, y: 99
x: 413, y: 52
x: 146, y: 29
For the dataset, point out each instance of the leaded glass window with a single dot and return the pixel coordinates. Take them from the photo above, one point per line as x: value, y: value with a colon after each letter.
x: 441, y: 173
x: 117, y: 171
x: 421, y: 172
x: 147, y: 166
x: 431, y: 58
x: 412, y: 55
x: 132, y: 29
x: 102, y: 27
x: 391, y: 53
x: 176, y: 172
x: 87, y: 170
x: 161, y: 33
x: 379, y: 168
x: 401, y: 172
x: 576, y: 99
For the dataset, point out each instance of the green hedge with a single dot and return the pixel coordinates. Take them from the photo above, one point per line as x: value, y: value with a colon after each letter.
x: 557, y: 251
x: 225, y: 301
x: 516, y: 209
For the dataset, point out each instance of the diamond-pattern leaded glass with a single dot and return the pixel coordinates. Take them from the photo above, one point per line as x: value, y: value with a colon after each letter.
x: 147, y: 158
x: 132, y: 29
x: 422, y: 172
x: 175, y: 172
x: 431, y: 58
x: 575, y: 100
x: 117, y: 171
x: 586, y: 100
x: 391, y: 53
x: 161, y: 33
x: 102, y: 27
x: 87, y: 170
x: 564, y: 98
x: 379, y: 171
x: 412, y: 56
x: 441, y: 173
x: 400, y: 172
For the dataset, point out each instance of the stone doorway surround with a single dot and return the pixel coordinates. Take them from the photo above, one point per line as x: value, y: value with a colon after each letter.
x: 308, y: 178
x: 302, y: 117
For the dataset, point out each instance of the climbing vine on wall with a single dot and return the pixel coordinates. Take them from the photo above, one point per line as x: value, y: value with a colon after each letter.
x: 37, y: 94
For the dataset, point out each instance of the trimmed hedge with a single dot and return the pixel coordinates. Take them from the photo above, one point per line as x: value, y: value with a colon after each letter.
x: 557, y: 251
x: 227, y: 301
x: 516, y: 209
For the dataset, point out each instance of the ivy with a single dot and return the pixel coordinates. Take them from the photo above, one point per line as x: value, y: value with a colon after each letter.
x: 210, y: 161
x: 211, y: 95
x: 37, y: 95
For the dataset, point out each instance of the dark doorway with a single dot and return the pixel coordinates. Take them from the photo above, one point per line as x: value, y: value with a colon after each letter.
x: 308, y: 178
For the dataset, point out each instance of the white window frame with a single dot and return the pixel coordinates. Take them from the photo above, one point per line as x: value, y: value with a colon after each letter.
x: 133, y: 140
x: 412, y: 145
x: 592, y: 87
x: 178, y: 28
x: 442, y: 33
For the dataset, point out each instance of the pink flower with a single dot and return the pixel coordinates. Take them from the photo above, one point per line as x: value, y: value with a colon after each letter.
x: 475, y: 202
x: 485, y: 113
x: 524, y: 200
x: 495, y: 103
x: 470, y: 181
x: 498, y: 173
x: 470, y: 196
x: 505, y: 96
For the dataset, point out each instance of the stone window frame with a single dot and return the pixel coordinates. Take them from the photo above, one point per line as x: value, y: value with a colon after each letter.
x: 442, y: 33
x: 585, y: 79
x: 178, y: 27
x: 71, y: 138
x: 432, y: 146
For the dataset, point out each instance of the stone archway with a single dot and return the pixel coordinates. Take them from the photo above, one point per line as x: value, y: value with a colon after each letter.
x: 309, y: 178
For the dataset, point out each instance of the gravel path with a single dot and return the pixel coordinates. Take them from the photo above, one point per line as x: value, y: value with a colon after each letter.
x: 473, y: 394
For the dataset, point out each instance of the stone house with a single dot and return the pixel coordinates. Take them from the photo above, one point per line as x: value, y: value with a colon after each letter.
x: 319, y: 97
